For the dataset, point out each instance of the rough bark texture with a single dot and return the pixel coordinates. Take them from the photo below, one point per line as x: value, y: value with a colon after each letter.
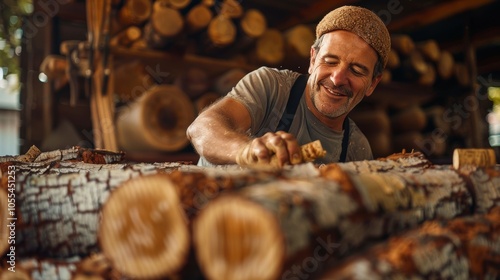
x: 461, y: 248
x: 58, y: 213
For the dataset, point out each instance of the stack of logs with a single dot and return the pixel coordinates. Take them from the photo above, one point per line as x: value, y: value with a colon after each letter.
x: 87, y: 214
x: 210, y: 28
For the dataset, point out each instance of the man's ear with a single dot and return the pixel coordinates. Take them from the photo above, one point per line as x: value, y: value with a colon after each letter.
x: 311, y: 60
x: 374, y: 84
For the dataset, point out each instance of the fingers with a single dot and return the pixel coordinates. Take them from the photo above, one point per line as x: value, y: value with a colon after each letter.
x: 273, y: 148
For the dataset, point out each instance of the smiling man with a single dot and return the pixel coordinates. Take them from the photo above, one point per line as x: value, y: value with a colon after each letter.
x: 271, y: 112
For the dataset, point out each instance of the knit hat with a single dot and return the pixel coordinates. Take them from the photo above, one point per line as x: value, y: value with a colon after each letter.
x: 361, y: 22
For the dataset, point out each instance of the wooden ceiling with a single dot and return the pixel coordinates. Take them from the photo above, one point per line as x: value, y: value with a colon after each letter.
x: 453, y: 23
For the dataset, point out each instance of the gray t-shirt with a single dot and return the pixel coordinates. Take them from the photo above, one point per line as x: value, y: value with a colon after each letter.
x: 265, y: 93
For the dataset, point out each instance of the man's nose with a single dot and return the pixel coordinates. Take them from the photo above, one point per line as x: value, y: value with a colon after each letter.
x: 339, y: 76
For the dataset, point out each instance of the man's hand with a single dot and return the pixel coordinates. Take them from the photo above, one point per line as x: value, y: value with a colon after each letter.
x: 276, y: 149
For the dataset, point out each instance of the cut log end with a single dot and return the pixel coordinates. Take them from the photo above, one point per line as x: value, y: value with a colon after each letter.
x: 463, y: 158
x: 143, y: 230
x: 236, y: 238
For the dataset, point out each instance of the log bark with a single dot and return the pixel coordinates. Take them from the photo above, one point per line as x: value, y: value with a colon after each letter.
x: 157, y: 121
x: 484, y: 184
x: 462, y: 248
x: 467, y: 158
x: 346, y: 213
x: 143, y: 229
x: 58, y: 212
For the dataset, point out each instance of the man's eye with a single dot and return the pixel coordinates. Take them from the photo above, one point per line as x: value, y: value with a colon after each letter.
x: 357, y: 71
x: 330, y: 61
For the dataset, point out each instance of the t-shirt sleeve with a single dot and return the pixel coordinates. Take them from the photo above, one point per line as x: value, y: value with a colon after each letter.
x: 259, y: 92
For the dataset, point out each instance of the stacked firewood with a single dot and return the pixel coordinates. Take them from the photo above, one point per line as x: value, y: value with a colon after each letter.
x: 88, y: 214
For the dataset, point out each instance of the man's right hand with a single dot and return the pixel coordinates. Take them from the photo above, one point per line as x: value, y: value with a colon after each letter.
x: 275, y: 149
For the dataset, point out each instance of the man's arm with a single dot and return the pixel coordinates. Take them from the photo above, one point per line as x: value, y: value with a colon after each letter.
x: 220, y: 134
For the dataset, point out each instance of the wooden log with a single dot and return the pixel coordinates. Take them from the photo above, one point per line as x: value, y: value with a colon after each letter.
x: 132, y: 80
x: 156, y: 121
x: 466, y: 158
x: 126, y: 37
x: 225, y: 82
x: 206, y: 100
x: 231, y: 9
x: 221, y: 31
x: 462, y: 248
x: 270, y: 48
x: 428, y: 78
x: 298, y: 42
x: 402, y: 43
x: 372, y: 120
x: 58, y: 214
x: 347, y: 214
x: 194, y: 81
x: 198, y: 18
x: 95, y: 267
x: 445, y: 65
x: 143, y: 229
x: 175, y: 4
x: 409, y: 119
x: 386, y: 77
x: 30, y: 156
x: 429, y: 49
x: 134, y: 12
x: 250, y: 27
x: 380, y: 143
x: 164, y: 25
x: 33, y: 268
x: 484, y: 184
x: 393, y: 60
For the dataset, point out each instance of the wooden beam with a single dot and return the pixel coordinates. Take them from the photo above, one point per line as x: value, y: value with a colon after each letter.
x: 435, y: 13
x: 314, y: 12
x: 482, y: 38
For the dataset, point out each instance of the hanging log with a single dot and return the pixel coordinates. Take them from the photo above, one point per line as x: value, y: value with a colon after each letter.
x: 143, y: 229
x: 225, y: 82
x: 462, y: 248
x: 402, y: 43
x: 270, y: 48
x: 194, y: 81
x: 304, y: 213
x: 164, y: 25
x: 126, y: 37
x: 134, y: 12
x: 429, y: 49
x: 409, y: 119
x: 132, y: 80
x: 58, y: 214
x: 156, y: 121
x: 198, y: 18
x: 445, y: 65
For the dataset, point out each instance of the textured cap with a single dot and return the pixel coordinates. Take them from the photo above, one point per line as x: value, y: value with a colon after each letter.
x: 361, y: 22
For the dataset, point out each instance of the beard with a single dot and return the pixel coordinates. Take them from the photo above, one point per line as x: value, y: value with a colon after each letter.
x: 329, y: 109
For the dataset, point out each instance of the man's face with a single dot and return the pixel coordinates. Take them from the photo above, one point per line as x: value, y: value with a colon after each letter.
x: 342, y: 73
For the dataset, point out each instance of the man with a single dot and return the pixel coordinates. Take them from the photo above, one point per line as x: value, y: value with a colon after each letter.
x: 254, y: 121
